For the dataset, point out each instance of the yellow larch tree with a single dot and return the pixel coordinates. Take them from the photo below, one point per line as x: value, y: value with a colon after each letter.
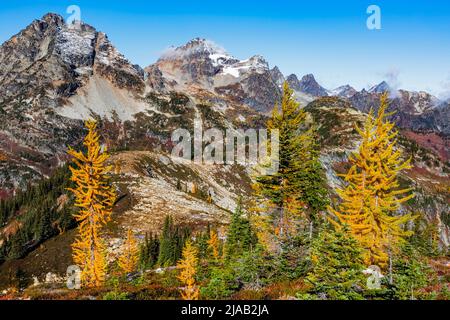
x: 372, y: 196
x: 95, y: 198
x: 187, y: 267
x: 213, y: 244
x: 128, y: 260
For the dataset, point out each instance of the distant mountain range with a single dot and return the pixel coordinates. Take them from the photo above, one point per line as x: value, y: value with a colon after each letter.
x: 53, y: 75
x: 201, y: 64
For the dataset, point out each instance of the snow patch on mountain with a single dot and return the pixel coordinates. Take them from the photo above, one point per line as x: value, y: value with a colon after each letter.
x: 216, y: 53
x: 345, y: 91
x: 74, y: 45
x: 380, y: 88
x: 232, y: 71
x: 256, y: 64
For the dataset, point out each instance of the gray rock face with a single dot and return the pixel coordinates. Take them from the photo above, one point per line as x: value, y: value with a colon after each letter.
x: 293, y: 82
x: 380, y: 88
x: 345, y: 91
x: 30, y: 61
x: 434, y: 120
x: 262, y: 92
x: 155, y: 79
x: 57, y: 59
x: 277, y: 76
x: 112, y: 65
x: 307, y: 84
x: 364, y: 100
x: 416, y: 111
x: 201, y: 64
x: 41, y: 69
x: 195, y: 62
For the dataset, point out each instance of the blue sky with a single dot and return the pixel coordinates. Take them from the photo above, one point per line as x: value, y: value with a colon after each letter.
x: 327, y: 38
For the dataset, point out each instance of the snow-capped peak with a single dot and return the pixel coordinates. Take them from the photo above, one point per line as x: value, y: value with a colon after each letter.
x: 343, y: 91
x: 380, y: 88
x: 199, y: 47
x: 255, y: 64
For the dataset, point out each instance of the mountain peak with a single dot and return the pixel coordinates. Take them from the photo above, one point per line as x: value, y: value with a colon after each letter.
x: 293, y: 82
x: 195, y: 46
x: 198, y: 42
x: 202, y: 44
x: 307, y: 84
x: 277, y: 76
x: 345, y: 86
x: 53, y: 18
x: 258, y: 61
x: 344, y: 91
x: 276, y: 70
x: 199, y: 50
x: 50, y: 49
x: 309, y: 77
x: 382, y: 87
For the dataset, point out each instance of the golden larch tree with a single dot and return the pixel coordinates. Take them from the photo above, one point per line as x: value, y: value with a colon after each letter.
x: 187, y: 267
x: 213, y: 244
x: 128, y: 260
x: 372, y: 195
x: 95, y: 198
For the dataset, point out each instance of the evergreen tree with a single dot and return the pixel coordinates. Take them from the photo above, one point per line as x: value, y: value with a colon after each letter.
x: 66, y: 220
x: 283, y: 196
x: 149, y: 251
x: 38, y: 214
x: 17, y: 245
x: 3, y: 252
x: 153, y: 250
x: 426, y: 236
x: 166, y: 245
x: 95, y: 197
x: 292, y: 262
x: 202, y: 243
x: 179, y: 238
x: 411, y: 274
x: 222, y: 283
x: 252, y: 268
x: 337, y: 266
x: 172, y: 242
x: 21, y: 280
x: 45, y: 229
x: 240, y: 236
x: 2, y: 213
x: 144, y: 255
x: 372, y: 195
x: 312, y: 177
